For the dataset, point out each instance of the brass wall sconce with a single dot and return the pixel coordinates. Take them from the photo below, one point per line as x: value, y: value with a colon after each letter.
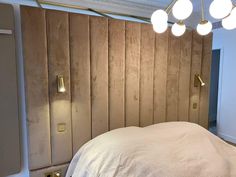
x: 60, y: 84
x: 197, y: 80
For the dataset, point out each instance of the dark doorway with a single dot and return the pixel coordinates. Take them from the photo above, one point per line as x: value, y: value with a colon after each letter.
x: 215, y: 68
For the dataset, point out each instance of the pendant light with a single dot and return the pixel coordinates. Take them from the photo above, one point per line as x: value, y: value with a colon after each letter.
x: 204, y: 27
x: 229, y: 22
x: 178, y: 29
x: 219, y: 9
x: 182, y: 9
x: 159, y: 18
x: 160, y: 28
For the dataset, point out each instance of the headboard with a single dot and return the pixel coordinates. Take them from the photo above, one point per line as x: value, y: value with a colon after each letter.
x: 116, y: 73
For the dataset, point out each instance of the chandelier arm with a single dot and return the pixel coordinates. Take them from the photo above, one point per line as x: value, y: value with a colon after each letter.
x: 202, y: 8
x: 169, y: 7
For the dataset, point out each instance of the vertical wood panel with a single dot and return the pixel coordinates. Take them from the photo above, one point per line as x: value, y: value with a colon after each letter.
x: 160, y: 76
x: 60, y: 103
x: 80, y: 79
x: 116, y: 73
x: 173, y: 78
x: 146, y: 74
x: 99, y: 74
x: 133, y: 35
x: 184, y: 76
x: 36, y: 76
x: 195, y: 69
x: 206, y: 71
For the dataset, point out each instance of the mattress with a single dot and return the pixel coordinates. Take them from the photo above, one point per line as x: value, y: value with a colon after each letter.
x: 173, y: 149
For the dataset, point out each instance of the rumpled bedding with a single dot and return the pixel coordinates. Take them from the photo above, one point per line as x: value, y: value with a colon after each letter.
x: 173, y: 149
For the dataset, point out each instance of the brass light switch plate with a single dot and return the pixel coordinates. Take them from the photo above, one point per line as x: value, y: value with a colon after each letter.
x: 61, y: 127
x: 194, y: 105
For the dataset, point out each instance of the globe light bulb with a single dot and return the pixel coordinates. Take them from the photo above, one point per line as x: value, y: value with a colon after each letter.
x: 229, y: 22
x: 160, y: 28
x: 219, y: 9
x: 159, y: 17
x: 204, y: 27
x: 182, y: 9
x: 178, y: 29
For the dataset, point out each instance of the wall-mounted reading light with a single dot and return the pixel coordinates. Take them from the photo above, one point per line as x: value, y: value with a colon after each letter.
x: 60, y: 84
x: 198, y: 79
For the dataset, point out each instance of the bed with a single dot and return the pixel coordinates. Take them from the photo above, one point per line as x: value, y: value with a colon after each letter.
x: 174, y: 149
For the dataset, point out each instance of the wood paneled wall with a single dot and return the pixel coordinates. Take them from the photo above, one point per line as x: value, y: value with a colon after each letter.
x: 117, y: 74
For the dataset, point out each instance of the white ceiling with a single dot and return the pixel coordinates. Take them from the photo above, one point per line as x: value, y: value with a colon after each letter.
x: 143, y: 8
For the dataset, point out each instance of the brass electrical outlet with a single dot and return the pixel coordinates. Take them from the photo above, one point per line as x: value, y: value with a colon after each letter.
x: 194, y: 105
x: 57, y: 174
x: 50, y: 174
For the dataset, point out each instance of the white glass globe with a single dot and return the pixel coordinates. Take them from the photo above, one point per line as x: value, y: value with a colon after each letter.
x: 178, y: 29
x: 182, y: 9
x: 229, y: 22
x: 159, y: 16
x: 220, y: 8
x: 160, y: 28
x: 204, y: 28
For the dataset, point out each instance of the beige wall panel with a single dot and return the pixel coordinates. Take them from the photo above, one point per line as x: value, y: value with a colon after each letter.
x: 184, y: 76
x: 99, y: 74
x: 10, y: 157
x: 80, y: 79
x: 146, y: 74
x: 116, y: 73
x: 36, y: 76
x: 195, y: 69
x: 173, y: 78
x: 206, y: 71
x: 133, y: 37
x: 160, y: 76
x: 60, y: 103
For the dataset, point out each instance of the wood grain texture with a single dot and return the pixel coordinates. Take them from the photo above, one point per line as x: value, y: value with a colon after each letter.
x: 146, y: 75
x: 36, y: 71
x: 173, y: 78
x: 80, y: 79
x: 184, y: 76
x: 116, y: 73
x: 60, y: 103
x: 160, y: 76
x: 133, y: 37
x: 205, y: 73
x: 195, y: 69
x: 99, y: 74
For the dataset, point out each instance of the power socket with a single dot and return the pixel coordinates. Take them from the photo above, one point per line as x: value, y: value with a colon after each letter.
x: 57, y: 174
x: 54, y: 174
x: 50, y: 174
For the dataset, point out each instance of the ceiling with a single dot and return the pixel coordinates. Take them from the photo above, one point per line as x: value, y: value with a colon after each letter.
x: 142, y: 8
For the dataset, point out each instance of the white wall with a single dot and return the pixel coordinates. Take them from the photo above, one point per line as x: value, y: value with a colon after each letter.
x: 226, y: 119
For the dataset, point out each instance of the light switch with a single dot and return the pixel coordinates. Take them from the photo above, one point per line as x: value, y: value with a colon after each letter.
x: 194, y: 105
x: 61, y: 127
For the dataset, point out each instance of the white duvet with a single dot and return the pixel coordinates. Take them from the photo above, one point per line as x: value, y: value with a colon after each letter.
x: 176, y: 149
